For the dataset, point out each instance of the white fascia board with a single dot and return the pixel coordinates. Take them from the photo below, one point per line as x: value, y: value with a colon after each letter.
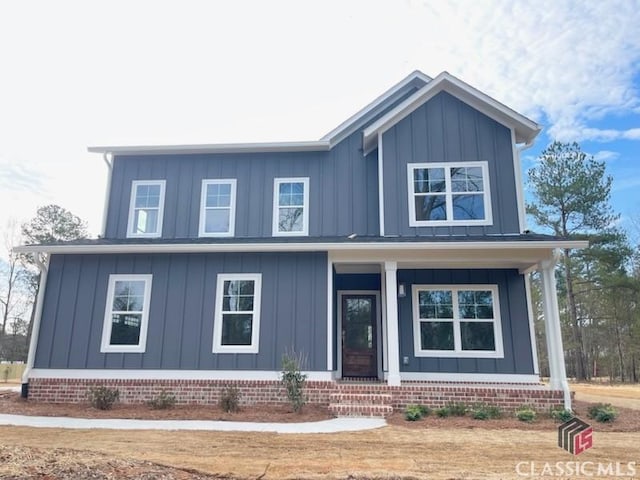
x: 526, y: 129
x: 298, y: 247
x: 312, y: 146
x: 350, y: 123
x: 482, y: 379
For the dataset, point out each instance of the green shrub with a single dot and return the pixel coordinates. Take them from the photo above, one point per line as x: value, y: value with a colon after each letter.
x: 230, y: 399
x: 443, y: 412
x: 482, y: 411
x: 457, y: 409
x: 562, y: 415
x: 103, y: 397
x: 413, y: 413
x: 293, y: 379
x: 526, y: 414
x: 163, y: 401
x: 602, y: 412
x: 416, y: 412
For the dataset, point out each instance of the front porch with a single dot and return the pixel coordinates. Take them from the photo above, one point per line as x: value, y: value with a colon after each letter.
x: 379, y: 333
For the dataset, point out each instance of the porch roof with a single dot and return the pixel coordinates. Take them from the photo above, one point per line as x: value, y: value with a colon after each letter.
x: 521, y: 251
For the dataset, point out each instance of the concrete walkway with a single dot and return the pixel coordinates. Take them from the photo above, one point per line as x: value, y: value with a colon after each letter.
x: 326, y: 426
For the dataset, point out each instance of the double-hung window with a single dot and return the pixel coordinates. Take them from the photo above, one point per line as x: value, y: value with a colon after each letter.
x: 291, y: 206
x: 236, y: 327
x: 449, y: 194
x: 456, y: 321
x: 127, y: 314
x: 146, y: 208
x: 218, y: 208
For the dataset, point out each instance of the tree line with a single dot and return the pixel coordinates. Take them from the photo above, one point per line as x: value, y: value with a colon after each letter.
x: 598, y: 287
x: 20, y: 276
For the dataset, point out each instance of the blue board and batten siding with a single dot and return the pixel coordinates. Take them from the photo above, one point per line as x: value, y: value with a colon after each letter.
x: 180, y: 331
x: 446, y: 129
x: 518, y: 357
x: 341, y: 198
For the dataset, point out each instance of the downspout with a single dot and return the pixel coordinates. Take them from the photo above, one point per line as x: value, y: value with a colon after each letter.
x: 35, y: 329
x: 105, y: 210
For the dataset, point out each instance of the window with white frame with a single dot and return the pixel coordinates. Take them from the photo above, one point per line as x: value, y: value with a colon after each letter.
x: 291, y: 206
x: 236, y: 327
x: 449, y: 194
x: 146, y: 208
x: 126, y: 314
x: 218, y: 208
x: 457, y: 321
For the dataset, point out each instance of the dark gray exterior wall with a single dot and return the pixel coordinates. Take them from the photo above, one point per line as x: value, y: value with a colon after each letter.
x: 342, y: 185
x: 446, y: 129
x: 518, y: 357
x: 180, y: 332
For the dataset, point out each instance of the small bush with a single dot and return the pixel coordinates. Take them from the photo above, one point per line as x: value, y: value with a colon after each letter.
x: 562, y: 415
x: 526, y: 414
x: 443, y: 412
x: 163, y: 401
x: 457, y: 409
x: 230, y: 399
x: 482, y: 411
x: 602, y: 412
x: 416, y: 412
x: 293, y: 380
x: 103, y: 397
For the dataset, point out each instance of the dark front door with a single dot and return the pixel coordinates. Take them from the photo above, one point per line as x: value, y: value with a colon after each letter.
x: 359, y: 354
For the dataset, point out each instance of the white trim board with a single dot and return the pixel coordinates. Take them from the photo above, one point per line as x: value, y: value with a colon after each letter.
x: 148, y: 374
x: 468, y: 377
x: 302, y: 247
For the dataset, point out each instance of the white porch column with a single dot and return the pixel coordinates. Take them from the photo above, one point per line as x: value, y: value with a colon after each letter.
x: 558, y: 373
x: 393, y: 341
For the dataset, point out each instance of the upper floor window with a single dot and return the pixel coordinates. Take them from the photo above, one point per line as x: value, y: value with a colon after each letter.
x: 218, y: 208
x: 236, y: 327
x: 291, y: 206
x: 456, y: 321
x: 146, y: 208
x: 449, y: 194
x: 127, y: 313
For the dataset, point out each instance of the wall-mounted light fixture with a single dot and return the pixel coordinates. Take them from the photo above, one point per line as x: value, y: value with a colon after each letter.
x: 402, y: 290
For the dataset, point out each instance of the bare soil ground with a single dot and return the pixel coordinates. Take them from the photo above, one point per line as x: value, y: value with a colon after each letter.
x: 433, y: 448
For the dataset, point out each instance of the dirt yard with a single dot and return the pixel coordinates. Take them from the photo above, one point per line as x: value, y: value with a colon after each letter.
x: 619, y: 395
x: 434, y: 448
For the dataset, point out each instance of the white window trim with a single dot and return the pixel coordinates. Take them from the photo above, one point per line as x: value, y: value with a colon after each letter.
x: 458, y: 352
x: 488, y: 220
x: 305, y: 208
x: 255, y: 324
x: 132, y: 202
x: 106, y: 346
x: 232, y: 207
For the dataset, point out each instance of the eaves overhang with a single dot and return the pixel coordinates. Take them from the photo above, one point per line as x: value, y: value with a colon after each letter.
x: 300, y: 247
x: 525, y: 129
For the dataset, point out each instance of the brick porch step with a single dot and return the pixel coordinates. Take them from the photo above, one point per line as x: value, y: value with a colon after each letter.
x: 360, y: 405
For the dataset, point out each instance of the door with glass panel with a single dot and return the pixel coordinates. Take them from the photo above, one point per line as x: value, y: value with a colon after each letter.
x: 359, y: 336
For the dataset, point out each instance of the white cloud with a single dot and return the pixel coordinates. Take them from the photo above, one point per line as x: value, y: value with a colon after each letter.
x: 155, y: 72
x: 606, y: 155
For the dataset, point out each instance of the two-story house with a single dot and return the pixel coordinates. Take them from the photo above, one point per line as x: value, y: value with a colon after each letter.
x: 392, y: 254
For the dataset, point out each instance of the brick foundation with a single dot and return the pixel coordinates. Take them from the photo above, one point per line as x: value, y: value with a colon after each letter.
x: 433, y: 394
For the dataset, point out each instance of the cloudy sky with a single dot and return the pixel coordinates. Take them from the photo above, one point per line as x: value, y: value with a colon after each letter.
x: 80, y: 73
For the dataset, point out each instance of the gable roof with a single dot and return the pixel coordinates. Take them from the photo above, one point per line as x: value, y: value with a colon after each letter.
x: 525, y: 129
x: 415, y: 80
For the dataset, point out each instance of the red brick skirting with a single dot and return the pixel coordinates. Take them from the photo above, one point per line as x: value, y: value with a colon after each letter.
x: 433, y: 394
